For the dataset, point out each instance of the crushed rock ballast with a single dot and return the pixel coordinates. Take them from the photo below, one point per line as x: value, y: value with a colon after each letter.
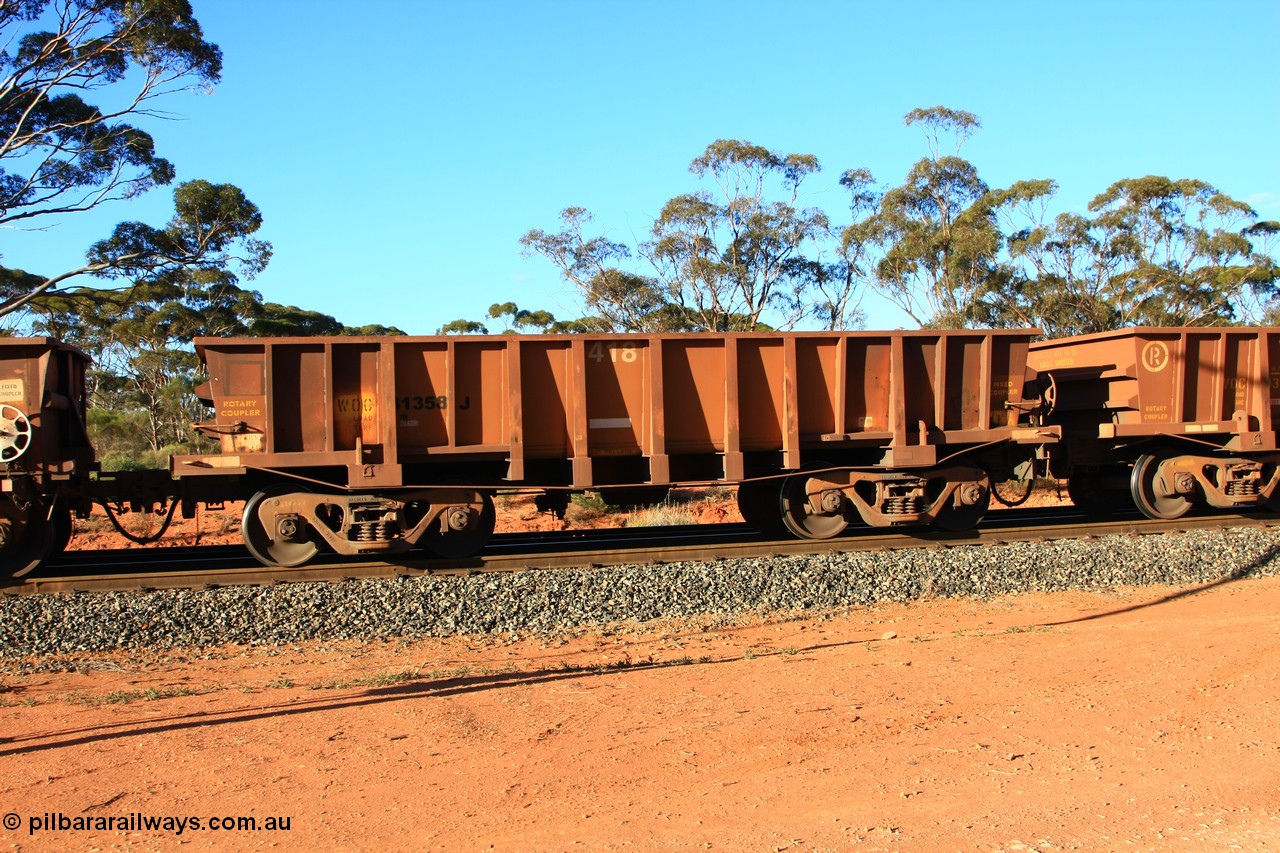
x: 555, y: 601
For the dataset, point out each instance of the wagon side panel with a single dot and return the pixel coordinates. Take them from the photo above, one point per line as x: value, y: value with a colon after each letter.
x: 761, y: 416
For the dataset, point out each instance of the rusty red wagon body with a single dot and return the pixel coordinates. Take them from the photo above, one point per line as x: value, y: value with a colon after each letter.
x: 370, y: 445
x: 44, y: 446
x: 1166, y: 417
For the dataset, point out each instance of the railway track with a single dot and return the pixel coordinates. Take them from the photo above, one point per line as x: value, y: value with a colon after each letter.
x: 227, y: 565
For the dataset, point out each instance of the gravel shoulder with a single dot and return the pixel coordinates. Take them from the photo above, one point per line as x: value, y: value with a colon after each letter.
x: 552, y: 602
x: 964, y: 715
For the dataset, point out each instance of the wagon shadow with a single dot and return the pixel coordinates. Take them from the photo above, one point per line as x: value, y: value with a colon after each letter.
x: 40, y: 742
x: 1246, y: 571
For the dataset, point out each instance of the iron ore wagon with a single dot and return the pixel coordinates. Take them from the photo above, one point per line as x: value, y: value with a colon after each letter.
x: 379, y: 445
x: 1165, y: 418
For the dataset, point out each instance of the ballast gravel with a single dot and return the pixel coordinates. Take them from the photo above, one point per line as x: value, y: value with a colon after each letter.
x: 557, y: 601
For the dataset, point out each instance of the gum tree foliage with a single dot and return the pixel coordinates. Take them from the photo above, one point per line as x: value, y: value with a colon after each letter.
x: 622, y: 301
x: 943, y: 245
x: 139, y: 329
x: 839, y: 289
x: 1156, y: 251
x: 518, y: 321
x: 728, y: 255
x: 463, y: 327
x: 76, y: 79
x: 719, y: 259
x: 75, y: 76
x: 273, y: 320
x: 937, y: 237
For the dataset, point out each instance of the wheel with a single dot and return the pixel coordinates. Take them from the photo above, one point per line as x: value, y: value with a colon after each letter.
x: 806, y: 520
x: 468, y: 531
x: 27, y: 539
x: 15, y: 433
x: 268, y: 548
x: 955, y: 518
x: 1155, y: 495
x: 61, y: 530
x: 759, y: 501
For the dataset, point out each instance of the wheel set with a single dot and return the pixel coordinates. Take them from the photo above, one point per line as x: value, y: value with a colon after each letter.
x: 287, y: 525
x: 30, y: 534
x: 823, y: 501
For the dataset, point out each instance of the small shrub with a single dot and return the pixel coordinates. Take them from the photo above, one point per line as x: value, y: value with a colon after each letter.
x: 590, y: 501
x: 662, y: 516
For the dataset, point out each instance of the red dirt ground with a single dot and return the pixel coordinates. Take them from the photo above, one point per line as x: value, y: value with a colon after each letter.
x: 1143, y: 719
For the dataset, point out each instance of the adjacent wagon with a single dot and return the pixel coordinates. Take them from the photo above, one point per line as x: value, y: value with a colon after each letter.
x: 1165, y: 418
x: 44, y: 447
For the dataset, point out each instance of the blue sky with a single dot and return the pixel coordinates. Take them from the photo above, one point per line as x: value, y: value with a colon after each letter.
x: 398, y: 154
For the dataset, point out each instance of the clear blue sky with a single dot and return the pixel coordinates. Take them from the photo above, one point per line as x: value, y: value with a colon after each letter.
x: 398, y: 153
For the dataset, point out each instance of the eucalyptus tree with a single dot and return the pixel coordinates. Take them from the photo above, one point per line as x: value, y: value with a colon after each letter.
x: 61, y: 155
x: 621, y: 300
x: 1064, y: 281
x: 729, y: 255
x: 463, y: 327
x: 1184, y: 251
x: 273, y: 320
x: 839, y: 287
x: 740, y: 256
x: 1157, y: 251
x: 939, y: 234
x: 516, y: 319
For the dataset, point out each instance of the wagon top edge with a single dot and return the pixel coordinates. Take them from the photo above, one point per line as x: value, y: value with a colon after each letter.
x: 44, y: 343
x: 623, y: 336
x: 1155, y: 331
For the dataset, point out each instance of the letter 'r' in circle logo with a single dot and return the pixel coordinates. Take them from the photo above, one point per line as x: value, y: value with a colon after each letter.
x: 1155, y: 356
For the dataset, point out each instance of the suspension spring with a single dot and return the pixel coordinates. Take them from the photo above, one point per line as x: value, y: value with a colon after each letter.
x: 1242, y: 488
x: 904, y: 505
x: 374, y: 531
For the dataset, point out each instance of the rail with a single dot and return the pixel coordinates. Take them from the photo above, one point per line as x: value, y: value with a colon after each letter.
x: 592, y: 549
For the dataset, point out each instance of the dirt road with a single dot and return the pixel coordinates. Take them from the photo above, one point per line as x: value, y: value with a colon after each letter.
x: 1141, y: 720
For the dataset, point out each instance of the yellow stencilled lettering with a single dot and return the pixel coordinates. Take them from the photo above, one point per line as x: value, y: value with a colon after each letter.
x: 238, y: 408
x: 360, y: 407
x: 1155, y: 412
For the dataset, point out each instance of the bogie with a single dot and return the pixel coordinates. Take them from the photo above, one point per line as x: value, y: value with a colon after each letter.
x: 285, y: 525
